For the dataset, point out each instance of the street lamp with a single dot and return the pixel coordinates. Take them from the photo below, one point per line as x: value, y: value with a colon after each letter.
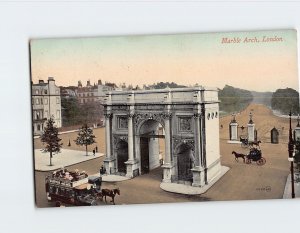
x: 291, y: 150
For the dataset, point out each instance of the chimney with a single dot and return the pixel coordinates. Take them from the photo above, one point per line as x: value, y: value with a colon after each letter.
x: 51, y: 79
x: 41, y: 81
x: 88, y: 83
x: 79, y: 84
x: 99, y: 82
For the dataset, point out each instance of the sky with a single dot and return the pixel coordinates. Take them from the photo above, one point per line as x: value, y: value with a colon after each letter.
x: 255, y: 63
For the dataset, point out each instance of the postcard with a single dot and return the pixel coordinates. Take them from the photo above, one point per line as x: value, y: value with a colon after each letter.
x: 165, y: 118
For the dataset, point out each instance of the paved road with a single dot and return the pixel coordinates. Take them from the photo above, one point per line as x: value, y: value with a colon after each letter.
x: 241, y: 182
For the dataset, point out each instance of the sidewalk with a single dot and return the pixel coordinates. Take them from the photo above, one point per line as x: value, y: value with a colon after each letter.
x: 288, y: 187
x: 64, y: 158
x: 185, y: 189
x: 112, y: 178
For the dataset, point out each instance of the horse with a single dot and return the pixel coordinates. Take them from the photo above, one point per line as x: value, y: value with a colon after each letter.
x: 111, y: 193
x: 255, y: 143
x: 239, y: 155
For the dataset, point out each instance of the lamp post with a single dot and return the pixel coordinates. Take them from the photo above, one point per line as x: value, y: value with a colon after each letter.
x: 291, y: 154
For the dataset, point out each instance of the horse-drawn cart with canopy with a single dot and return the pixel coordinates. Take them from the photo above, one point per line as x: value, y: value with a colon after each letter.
x: 73, y: 188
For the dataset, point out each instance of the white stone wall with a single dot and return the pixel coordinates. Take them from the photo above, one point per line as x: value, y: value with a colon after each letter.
x: 212, y: 133
x: 153, y: 153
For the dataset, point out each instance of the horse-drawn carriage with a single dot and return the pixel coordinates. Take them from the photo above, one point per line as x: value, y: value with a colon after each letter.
x: 254, y: 155
x: 76, y: 188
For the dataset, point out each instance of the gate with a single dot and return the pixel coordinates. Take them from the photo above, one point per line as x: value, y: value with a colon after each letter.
x: 144, y: 146
x: 122, y: 153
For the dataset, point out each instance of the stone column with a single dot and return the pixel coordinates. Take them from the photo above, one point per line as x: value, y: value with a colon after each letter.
x: 251, y: 128
x: 198, y: 170
x: 109, y: 160
x: 197, y: 139
x: 130, y: 137
x: 167, y: 173
x: 131, y: 164
x: 233, y: 127
x: 251, y: 135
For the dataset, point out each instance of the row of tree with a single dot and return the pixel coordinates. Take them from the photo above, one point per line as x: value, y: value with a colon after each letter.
x: 234, y: 99
x: 74, y: 113
x: 53, y: 143
x: 285, y: 100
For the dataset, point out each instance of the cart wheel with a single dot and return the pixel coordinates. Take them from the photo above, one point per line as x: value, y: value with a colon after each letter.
x: 261, y: 162
x: 58, y: 204
x: 248, y: 161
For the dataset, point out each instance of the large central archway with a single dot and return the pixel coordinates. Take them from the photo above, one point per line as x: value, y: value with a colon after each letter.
x: 151, y: 140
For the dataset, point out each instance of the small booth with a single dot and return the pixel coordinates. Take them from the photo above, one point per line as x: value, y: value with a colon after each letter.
x: 274, y: 136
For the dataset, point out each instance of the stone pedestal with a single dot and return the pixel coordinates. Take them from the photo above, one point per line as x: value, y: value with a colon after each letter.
x: 251, y: 134
x: 198, y: 177
x: 109, y: 164
x: 167, y: 173
x: 233, y: 128
x: 131, y: 168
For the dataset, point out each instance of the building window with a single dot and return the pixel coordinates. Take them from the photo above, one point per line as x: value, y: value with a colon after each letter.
x: 45, y: 92
x: 37, y: 115
x: 122, y: 122
x: 57, y: 100
x: 45, y: 101
x: 36, y: 92
x: 57, y: 91
x: 185, y: 123
x: 37, y: 101
x: 41, y: 100
x: 46, y: 114
x: 58, y: 114
x: 38, y: 127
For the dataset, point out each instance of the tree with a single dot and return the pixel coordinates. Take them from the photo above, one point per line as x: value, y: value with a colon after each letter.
x: 285, y: 100
x: 85, y: 137
x: 51, y: 139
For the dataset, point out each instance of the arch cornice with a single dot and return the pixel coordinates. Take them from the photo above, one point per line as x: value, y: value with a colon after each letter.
x: 178, y: 141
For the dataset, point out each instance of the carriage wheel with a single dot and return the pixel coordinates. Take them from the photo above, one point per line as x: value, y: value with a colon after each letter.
x: 248, y: 161
x: 261, y: 161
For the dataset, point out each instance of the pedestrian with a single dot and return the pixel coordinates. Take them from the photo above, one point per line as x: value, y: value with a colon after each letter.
x: 102, y: 170
x: 94, y: 152
x: 96, y: 149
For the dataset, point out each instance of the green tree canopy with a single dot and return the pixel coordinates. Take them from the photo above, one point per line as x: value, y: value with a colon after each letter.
x: 285, y: 100
x: 234, y: 99
x: 50, y: 139
x: 85, y: 137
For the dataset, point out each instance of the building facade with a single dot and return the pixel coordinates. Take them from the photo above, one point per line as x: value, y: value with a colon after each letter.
x: 46, y: 103
x: 92, y: 93
x: 190, y: 121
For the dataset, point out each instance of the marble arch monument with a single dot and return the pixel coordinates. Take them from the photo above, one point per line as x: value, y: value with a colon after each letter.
x: 189, y: 118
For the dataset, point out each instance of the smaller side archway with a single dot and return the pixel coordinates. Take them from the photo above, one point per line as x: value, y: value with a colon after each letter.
x: 122, y: 156
x: 185, y: 162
